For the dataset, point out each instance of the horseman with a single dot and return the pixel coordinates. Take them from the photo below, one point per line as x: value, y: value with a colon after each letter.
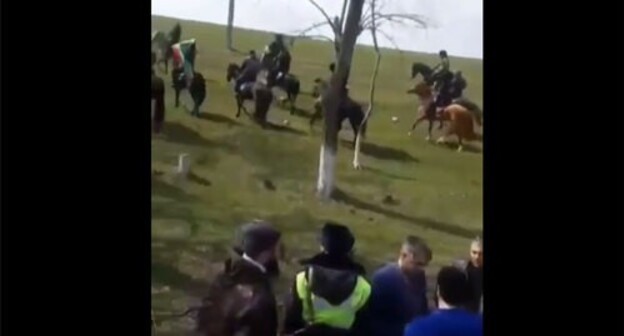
x: 442, y: 70
x: 276, y: 57
x: 249, y: 71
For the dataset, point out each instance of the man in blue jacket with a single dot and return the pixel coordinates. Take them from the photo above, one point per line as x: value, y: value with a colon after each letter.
x: 399, y: 289
x: 449, y: 319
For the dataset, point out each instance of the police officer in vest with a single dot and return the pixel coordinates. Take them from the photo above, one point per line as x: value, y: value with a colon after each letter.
x: 330, y: 296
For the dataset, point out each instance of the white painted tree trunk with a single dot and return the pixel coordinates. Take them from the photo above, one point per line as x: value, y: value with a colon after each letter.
x: 332, y: 98
x: 327, y: 167
x: 184, y: 165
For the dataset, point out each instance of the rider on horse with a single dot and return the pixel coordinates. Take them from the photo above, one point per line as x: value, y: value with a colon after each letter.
x: 184, y: 54
x: 249, y: 71
x: 276, y: 57
x: 442, y: 70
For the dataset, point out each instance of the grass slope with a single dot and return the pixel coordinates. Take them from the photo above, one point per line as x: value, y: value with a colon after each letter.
x: 439, y: 191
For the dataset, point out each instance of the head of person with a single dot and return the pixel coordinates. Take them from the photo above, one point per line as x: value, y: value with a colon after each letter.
x: 336, y: 240
x: 279, y: 38
x: 453, y: 288
x: 252, y: 54
x: 459, y: 74
x: 443, y: 54
x: 476, y: 252
x: 262, y: 242
x: 332, y: 67
x: 415, y: 254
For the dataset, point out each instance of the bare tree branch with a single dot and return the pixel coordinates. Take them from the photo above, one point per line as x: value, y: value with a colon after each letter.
x: 329, y: 20
x: 319, y: 36
x: 342, y: 15
x: 312, y: 27
x: 391, y: 39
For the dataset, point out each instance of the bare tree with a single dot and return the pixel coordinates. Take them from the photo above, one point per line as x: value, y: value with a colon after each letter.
x: 332, y: 97
x: 230, y: 26
x: 371, y: 96
x: 371, y: 20
x: 372, y: 12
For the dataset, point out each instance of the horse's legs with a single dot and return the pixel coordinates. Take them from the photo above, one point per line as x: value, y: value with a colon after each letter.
x: 166, y: 66
x: 460, y: 142
x: 356, y: 127
x: 316, y: 114
x: 431, y: 121
x: 239, y: 103
x: 291, y: 100
x: 177, y: 97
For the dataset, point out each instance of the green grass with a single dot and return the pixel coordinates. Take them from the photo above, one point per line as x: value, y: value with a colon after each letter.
x: 439, y: 191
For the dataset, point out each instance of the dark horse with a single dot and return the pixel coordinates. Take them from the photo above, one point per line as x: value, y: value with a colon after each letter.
x: 348, y: 109
x: 280, y: 76
x: 196, y: 88
x: 259, y: 94
x: 163, y: 44
x: 158, y: 98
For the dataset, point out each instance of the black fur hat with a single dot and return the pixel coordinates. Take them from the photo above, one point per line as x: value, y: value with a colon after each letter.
x: 336, y: 239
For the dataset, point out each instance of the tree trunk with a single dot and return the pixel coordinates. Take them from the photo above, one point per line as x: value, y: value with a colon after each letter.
x: 371, y: 97
x: 230, y: 26
x: 331, y: 101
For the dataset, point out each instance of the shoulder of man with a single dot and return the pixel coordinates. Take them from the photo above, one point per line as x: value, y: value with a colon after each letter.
x: 461, y: 264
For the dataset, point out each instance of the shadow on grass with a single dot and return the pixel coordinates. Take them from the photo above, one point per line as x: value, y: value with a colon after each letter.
x: 283, y: 129
x: 162, y: 188
x: 468, y: 148
x: 381, y: 152
x: 389, y: 175
x: 219, y: 118
x: 182, y: 134
x: 428, y: 223
x: 302, y: 113
x: 165, y: 274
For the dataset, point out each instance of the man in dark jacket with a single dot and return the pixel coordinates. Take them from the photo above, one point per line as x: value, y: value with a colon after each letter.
x: 473, y: 271
x: 400, y: 289
x: 451, y: 319
x: 330, y: 297
x: 241, y: 300
x: 473, y: 267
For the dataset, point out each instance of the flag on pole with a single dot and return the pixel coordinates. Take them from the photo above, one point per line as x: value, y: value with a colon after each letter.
x: 184, y: 57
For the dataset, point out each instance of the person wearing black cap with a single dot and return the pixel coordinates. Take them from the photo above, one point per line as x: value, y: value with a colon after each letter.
x: 330, y: 296
x: 453, y: 291
x: 241, y: 299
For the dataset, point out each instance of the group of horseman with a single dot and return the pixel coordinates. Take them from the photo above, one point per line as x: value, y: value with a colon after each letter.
x: 275, y: 59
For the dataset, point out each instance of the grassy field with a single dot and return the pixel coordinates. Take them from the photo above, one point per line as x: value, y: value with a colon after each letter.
x: 439, y: 191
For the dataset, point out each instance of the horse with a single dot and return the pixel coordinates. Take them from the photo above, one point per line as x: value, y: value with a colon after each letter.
x: 196, y: 88
x: 461, y: 125
x: 473, y: 108
x: 257, y: 91
x: 158, y: 98
x: 427, y: 109
x: 348, y: 109
x: 280, y: 76
x: 162, y: 43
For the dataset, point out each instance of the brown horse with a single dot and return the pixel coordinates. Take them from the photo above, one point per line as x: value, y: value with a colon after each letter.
x: 427, y: 108
x: 461, y: 124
